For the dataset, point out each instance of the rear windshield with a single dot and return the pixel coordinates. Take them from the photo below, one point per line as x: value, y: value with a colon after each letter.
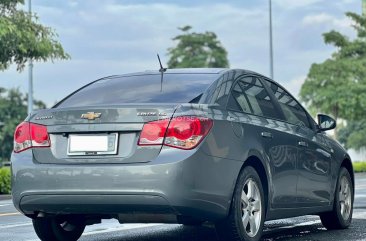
x: 176, y: 88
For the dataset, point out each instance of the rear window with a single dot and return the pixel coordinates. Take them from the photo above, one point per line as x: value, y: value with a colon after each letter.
x: 176, y: 88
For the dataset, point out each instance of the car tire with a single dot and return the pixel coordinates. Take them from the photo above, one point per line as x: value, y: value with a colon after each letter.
x: 60, y: 228
x: 247, y: 213
x: 341, y: 215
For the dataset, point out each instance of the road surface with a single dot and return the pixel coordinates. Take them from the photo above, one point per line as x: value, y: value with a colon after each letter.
x: 15, y: 227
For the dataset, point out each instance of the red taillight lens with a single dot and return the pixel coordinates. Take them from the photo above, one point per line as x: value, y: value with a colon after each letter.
x: 22, y: 139
x: 39, y: 135
x: 184, y: 132
x: 28, y: 135
x: 153, y: 133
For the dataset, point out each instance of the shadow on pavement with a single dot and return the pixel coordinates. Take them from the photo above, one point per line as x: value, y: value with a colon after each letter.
x: 317, y: 232
x: 158, y: 233
x: 283, y: 232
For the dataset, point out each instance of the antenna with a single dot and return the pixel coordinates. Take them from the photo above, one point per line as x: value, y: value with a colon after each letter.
x: 161, y: 70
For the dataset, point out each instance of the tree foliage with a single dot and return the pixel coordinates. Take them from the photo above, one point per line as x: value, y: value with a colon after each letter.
x: 5, y: 180
x: 353, y: 135
x: 197, y: 50
x: 13, y: 110
x: 338, y: 85
x: 22, y: 38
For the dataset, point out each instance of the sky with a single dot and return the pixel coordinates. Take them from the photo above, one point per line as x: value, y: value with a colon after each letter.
x: 116, y: 37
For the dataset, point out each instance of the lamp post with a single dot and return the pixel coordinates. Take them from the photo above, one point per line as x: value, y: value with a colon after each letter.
x: 270, y: 40
x: 30, y: 74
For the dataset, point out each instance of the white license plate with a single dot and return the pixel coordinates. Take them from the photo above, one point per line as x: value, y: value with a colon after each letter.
x: 101, y: 144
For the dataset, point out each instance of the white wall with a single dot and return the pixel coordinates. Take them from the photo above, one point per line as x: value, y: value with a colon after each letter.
x: 357, y: 156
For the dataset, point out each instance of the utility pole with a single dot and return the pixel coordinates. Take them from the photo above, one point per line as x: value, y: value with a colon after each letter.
x: 364, y: 8
x: 271, y: 40
x: 30, y: 83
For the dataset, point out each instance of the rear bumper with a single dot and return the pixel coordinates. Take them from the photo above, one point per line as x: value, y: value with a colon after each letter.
x: 178, y: 182
x: 91, y: 204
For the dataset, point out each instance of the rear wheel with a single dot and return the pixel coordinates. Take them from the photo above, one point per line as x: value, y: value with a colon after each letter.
x: 60, y: 228
x: 341, y: 215
x: 246, y: 218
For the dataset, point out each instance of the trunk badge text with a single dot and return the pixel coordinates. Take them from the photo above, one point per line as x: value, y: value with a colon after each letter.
x: 44, y: 117
x: 91, y: 115
x: 150, y: 114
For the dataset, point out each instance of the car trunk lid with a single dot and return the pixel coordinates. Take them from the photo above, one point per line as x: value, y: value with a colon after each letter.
x: 72, y: 129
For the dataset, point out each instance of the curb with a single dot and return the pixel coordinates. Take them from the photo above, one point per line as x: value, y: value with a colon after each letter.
x: 5, y: 197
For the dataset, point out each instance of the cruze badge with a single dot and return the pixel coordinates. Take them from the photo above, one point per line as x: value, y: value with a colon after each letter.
x: 151, y: 114
x: 44, y: 117
x: 91, y: 115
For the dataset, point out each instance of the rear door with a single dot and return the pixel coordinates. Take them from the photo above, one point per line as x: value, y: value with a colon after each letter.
x: 250, y: 105
x: 313, y: 156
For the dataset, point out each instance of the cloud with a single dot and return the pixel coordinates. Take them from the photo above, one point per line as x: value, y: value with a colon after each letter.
x: 294, y: 85
x: 326, y: 19
x: 137, y: 31
x: 113, y: 37
x: 290, y: 4
x: 349, y: 1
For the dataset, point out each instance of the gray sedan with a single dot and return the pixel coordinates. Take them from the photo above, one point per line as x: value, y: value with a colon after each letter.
x: 191, y: 146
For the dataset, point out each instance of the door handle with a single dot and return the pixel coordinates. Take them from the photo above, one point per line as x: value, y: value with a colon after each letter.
x: 303, y: 143
x: 267, y: 134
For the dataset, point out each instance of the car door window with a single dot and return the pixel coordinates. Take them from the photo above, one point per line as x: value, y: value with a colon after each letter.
x: 248, y: 95
x: 218, y: 92
x: 293, y: 111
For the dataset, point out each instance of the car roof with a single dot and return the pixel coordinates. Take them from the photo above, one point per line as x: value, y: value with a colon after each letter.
x: 184, y: 71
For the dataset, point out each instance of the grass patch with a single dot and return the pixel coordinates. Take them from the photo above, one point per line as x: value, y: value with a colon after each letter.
x: 359, y: 166
x: 5, y: 182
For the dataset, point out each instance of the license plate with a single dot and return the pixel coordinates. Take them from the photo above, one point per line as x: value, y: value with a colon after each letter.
x: 101, y: 144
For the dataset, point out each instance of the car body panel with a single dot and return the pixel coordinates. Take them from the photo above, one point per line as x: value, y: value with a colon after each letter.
x: 175, y: 175
x: 159, y: 179
x: 315, y: 161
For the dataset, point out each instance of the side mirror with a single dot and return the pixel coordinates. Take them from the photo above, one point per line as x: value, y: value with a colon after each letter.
x: 326, y: 122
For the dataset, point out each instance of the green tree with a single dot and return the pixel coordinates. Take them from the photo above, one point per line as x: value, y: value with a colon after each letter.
x: 197, y: 50
x: 353, y: 135
x: 13, y: 110
x: 338, y: 85
x: 22, y: 38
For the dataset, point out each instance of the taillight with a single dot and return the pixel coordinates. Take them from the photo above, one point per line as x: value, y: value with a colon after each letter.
x: 153, y: 133
x: 28, y: 135
x: 184, y: 132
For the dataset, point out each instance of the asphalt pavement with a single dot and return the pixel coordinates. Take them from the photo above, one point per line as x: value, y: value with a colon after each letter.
x: 15, y: 227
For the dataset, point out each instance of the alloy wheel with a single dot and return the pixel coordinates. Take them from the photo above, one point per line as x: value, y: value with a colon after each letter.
x: 345, y: 199
x: 251, y: 208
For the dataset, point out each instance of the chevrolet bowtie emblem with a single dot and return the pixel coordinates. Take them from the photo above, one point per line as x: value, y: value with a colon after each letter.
x: 91, y: 115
